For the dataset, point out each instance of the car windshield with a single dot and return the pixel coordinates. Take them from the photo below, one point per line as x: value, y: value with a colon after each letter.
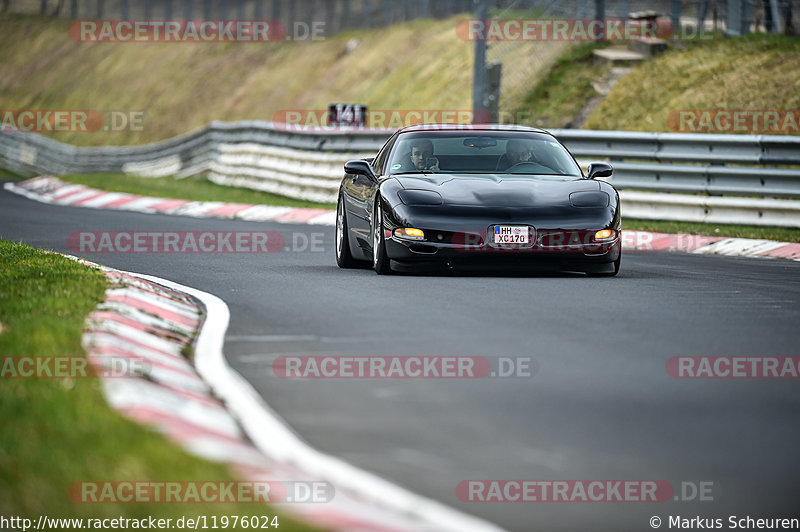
x: 482, y: 152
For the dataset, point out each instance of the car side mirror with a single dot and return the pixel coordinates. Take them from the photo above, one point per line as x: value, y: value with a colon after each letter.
x: 360, y: 167
x: 600, y: 170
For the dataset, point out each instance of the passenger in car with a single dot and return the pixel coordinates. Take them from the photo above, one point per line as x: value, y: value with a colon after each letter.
x: 517, y: 151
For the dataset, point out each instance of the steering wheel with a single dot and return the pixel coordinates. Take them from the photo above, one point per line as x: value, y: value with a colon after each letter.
x: 522, y: 165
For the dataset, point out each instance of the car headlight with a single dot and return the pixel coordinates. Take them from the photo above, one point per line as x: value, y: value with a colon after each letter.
x: 409, y: 233
x: 589, y: 198
x: 604, y: 234
x: 419, y: 197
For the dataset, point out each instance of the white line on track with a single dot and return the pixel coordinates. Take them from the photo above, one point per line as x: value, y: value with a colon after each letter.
x: 272, y: 436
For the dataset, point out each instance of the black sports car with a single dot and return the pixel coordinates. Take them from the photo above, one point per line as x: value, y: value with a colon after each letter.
x: 483, y: 196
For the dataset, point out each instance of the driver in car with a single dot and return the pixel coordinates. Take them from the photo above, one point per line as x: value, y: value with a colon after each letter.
x: 422, y: 156
x: 517, y: 151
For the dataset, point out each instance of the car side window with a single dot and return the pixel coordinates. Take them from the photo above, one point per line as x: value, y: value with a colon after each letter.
x: 379, y: 164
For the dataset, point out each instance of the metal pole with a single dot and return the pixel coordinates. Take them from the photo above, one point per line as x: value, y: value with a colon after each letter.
x: 366, y: 14
x: 746, y: 17
x: 345, y: 16
x: 625, y: 9
x: 600, y: 14
x: 676, y: 17
x: 276, y: 10
x: 494, y: 73
x: 388, y: 12
x: 479, y: 68
x: 701, y: 20
x: 733, y: 12
x: 776, y: 18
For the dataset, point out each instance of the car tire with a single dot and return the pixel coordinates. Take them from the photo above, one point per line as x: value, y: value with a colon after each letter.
x: 343, y: 256
x: 379, y: 259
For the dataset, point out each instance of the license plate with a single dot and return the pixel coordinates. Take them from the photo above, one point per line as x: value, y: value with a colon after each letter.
x: 511, y: 234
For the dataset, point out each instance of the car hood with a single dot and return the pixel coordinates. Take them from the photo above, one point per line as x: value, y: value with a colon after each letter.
x: 497, y: 190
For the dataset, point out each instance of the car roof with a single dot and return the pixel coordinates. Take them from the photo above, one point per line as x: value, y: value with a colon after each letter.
x: 471, y: 127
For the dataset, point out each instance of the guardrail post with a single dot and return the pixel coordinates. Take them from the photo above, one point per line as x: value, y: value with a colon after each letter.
x: 479, y: 67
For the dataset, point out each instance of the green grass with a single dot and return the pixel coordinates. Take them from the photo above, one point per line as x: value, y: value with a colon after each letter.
x: 414, y: 66
x: 753, y: 72
x: 195, y: 189
x: 58, y: 431
x: 781, y: 234
x: 9, y: 175
x: 557, y: 99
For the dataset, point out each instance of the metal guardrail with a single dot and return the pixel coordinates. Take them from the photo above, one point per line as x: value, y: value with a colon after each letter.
x: 694, y: 163
x: 30, y: 153
x: 690, y: 172
x: 683, y: 147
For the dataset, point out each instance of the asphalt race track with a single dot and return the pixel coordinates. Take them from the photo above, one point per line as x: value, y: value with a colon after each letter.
x: 599, y: 404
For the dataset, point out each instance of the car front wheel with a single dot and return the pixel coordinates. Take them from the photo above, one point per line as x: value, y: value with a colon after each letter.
x: 379, y: 259
x: 343, y: 257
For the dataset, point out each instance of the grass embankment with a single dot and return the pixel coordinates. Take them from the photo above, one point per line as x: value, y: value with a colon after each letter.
x: 419, y: 65
x: 565, y: 89
x: 753, y: 72
x: 8, y: 174
x: 58, y: 431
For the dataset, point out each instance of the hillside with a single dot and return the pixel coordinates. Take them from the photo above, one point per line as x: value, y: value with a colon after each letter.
x: 752, y: 73
x: 420, y: 65
x: 756, y: 73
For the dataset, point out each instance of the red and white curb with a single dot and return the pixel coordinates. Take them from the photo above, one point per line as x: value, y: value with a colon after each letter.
x: 213, y: 412
x: 709, y: 245
x: 49, y: 189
